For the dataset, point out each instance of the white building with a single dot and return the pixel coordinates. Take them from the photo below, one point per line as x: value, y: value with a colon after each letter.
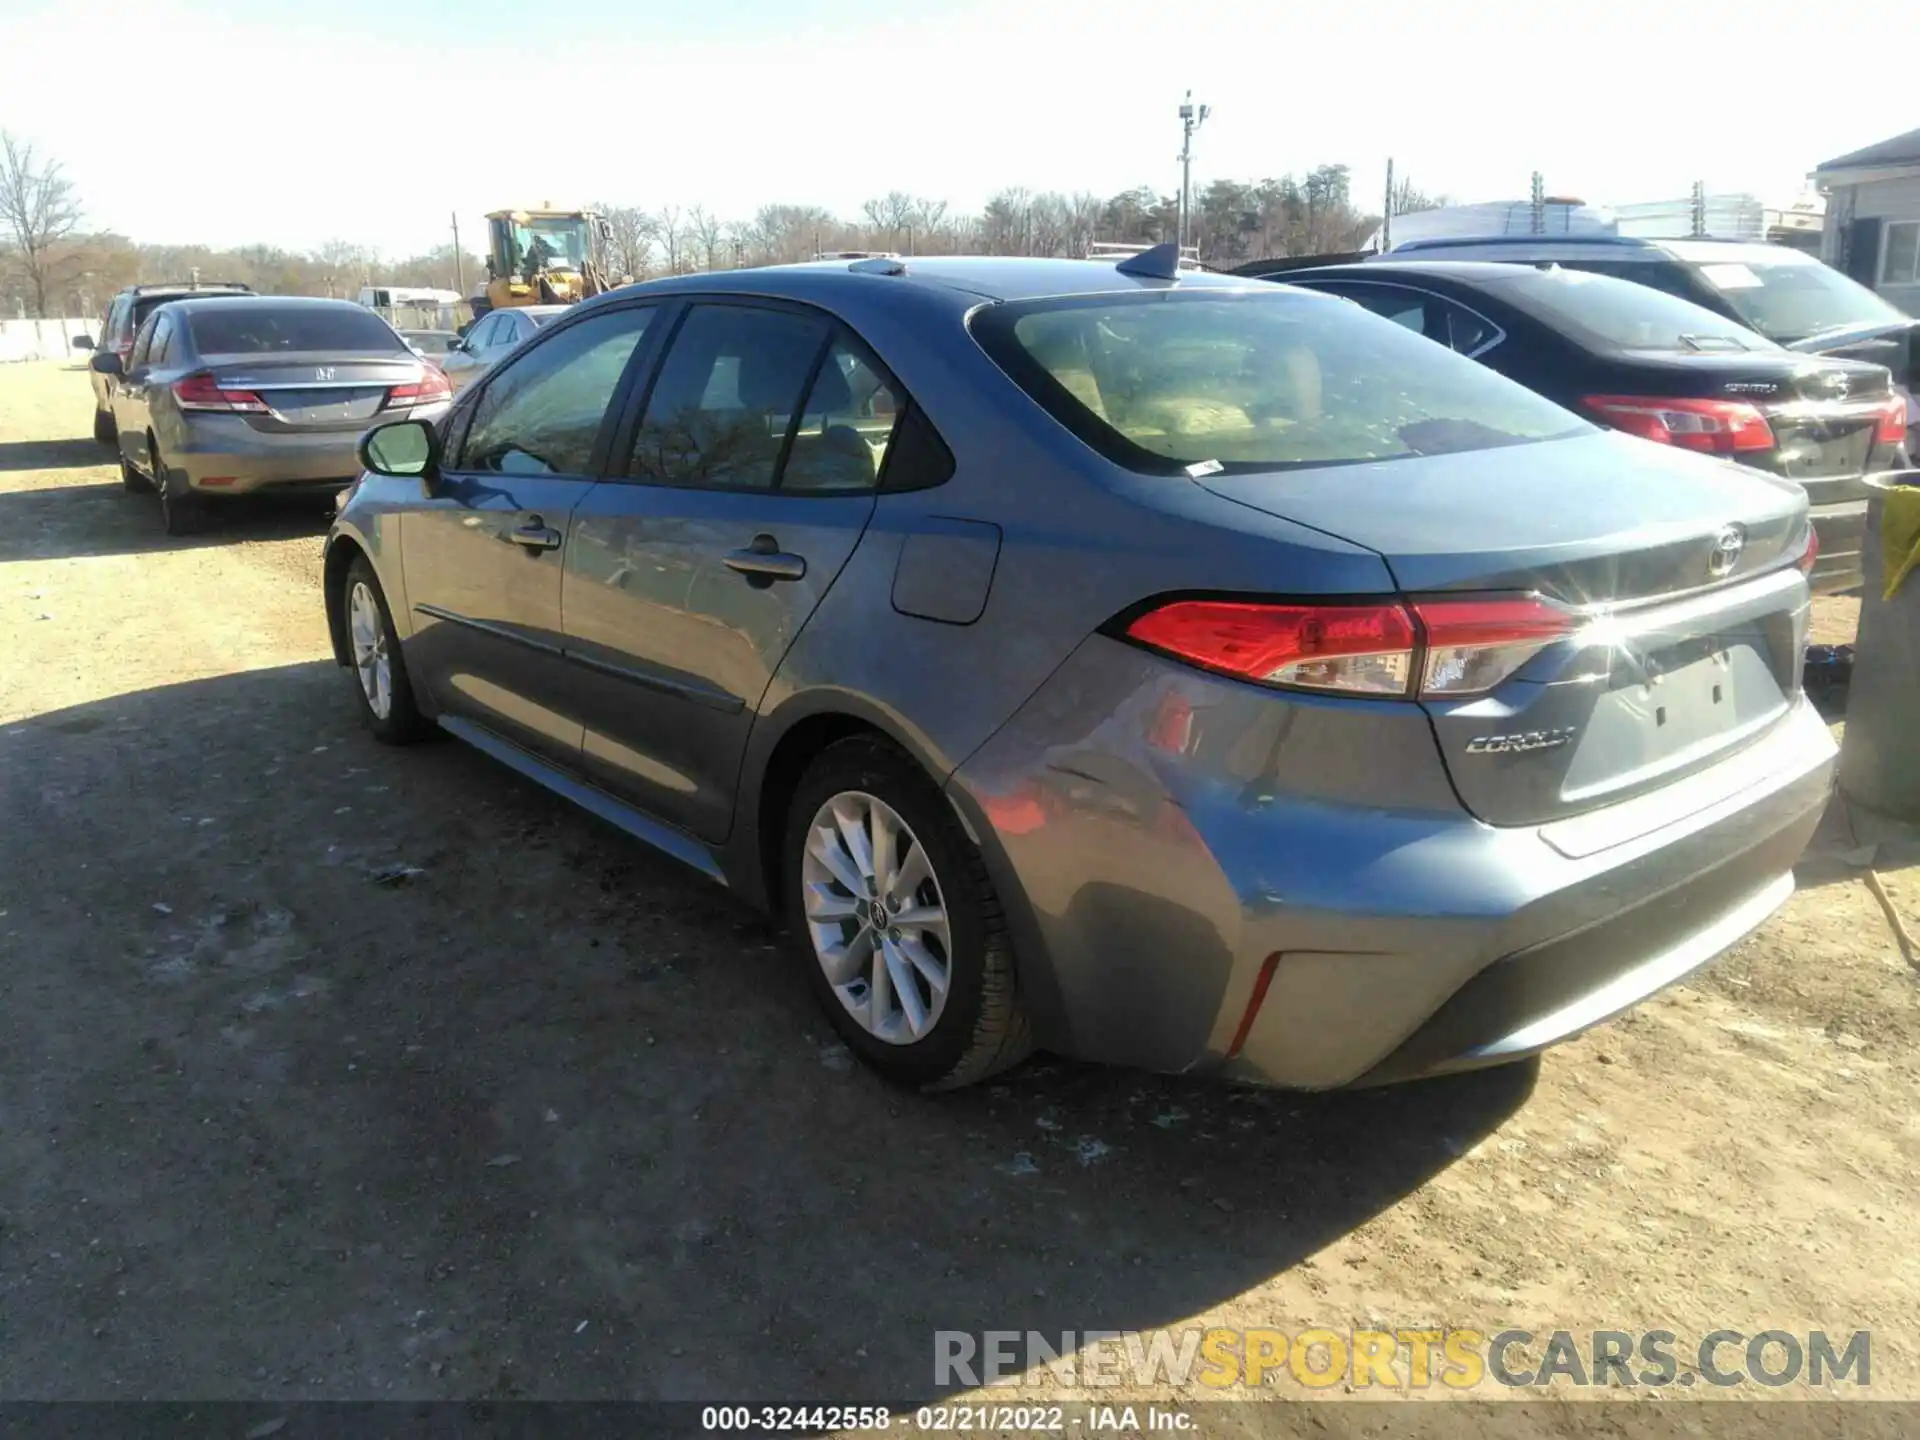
x: 1873, y: 217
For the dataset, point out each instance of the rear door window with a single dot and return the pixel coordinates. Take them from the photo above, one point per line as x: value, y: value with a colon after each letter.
x: 239, y: 328
x: 727, y: 398
x: 1439, y: 319
x: 845, y: 426
x: 1207, y: 381
x: 540, y: 413
x: 159, y: 341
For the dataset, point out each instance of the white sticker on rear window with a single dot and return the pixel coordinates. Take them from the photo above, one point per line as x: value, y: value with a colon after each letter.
x: 1202, y: 468
x: 1731, y: 277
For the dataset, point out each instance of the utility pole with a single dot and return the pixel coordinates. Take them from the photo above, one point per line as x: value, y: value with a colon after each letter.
x: 1539, y: 204
x: 1191, y: 118
x: 459, y: 266
x: 1386, y: 212
x: 1699, y: 208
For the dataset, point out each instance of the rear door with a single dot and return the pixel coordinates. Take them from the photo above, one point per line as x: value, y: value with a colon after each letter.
x: 131, y: 411
x: 483, y: 554
x: 750, y: 477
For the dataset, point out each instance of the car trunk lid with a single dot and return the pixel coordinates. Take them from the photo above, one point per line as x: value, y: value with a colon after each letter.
x: 1686, y: 615
x: 315, y: 391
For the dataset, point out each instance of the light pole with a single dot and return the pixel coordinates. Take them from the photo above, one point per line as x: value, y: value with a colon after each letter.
x: 1191, y: 118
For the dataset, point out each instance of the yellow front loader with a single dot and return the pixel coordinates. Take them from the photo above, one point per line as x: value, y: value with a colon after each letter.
x: 543, y: 257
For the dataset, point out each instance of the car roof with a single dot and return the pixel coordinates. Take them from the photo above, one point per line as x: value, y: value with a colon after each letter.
x: 1629, y: 248
x: 985, y: 277
x: 1468, y: 272
x: 271, y: 302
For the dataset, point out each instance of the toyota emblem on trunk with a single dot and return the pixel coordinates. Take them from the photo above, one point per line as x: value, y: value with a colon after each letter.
x: 1725, y: 554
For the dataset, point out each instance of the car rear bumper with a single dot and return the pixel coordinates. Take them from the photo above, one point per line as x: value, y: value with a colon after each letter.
x: 1202, y: 908
x: 223, y: 455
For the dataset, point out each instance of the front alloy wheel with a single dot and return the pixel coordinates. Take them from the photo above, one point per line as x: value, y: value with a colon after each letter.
x: 370, y: 658
x: 877, y: 918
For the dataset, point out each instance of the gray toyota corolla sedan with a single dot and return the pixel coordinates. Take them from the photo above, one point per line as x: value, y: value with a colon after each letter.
x: 1148, y: 665
x: 250, y: 393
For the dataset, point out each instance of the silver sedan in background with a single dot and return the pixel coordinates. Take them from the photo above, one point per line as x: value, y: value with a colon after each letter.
x: 259, y: 393
x: 493, y: 336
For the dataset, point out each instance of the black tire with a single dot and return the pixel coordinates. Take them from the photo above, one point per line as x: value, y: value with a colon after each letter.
x: 983, y: 1028
x: 403, y: 724
x: 133, y: 479
x: 181, y: 511
x: 104, y: 430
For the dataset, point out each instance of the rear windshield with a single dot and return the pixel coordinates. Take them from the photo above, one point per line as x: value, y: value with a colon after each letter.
x: 1202, y: 382
x: 1788, y: 300
x: 1614, y: 314
x: 254, y: 329
x: 147, y: 305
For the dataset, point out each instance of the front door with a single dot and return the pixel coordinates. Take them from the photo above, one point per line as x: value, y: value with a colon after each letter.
x: 750, y: 481
x: 483, y: 554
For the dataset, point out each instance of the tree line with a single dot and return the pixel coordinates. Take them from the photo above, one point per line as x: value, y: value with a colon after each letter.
x: 51, y: 264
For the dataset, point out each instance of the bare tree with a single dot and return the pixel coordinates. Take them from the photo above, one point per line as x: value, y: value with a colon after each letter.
x: 667, y: 229
x: 39, y: 212
x: 707, y: 234
x: 632, y: 244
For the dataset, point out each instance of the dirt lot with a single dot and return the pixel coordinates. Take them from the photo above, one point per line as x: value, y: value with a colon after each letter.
x: 553, y: 1119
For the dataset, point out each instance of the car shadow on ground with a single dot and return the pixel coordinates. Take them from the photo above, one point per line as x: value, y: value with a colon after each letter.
x: 52, y: 455
x: 104, y: 518
x: 340, y: 1070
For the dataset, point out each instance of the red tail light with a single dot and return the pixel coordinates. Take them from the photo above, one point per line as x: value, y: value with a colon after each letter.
x: 1438, y: 647
x: 1718, y: 427
x: 1360, y: 649
x: 1892, y: 429
x: 203, y: 392
x: 433, y: 386
x: 1472, y: 645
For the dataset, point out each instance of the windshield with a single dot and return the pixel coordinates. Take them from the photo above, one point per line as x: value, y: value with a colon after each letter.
x: 1206, y: 382
x: 559, y: 243
x: 1606, y: 313
x: 1790, y: 300
x: 257, y: 329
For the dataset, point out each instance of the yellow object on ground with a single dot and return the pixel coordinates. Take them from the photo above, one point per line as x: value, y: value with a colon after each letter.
x: 1900, y: 536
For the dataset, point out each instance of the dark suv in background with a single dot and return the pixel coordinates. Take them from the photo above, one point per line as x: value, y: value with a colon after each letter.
x: 125, y: 314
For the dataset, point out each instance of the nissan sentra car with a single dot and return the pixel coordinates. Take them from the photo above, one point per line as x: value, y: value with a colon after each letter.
x: 1152, y: 666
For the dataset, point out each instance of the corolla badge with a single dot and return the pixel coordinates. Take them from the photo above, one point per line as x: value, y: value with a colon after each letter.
x: 1725, y: 553
x: 1523, y: 741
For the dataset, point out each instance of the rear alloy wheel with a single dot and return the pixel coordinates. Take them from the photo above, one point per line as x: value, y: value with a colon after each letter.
x: 903, y: 936
x: 386, y: 697
x: 181, y: 511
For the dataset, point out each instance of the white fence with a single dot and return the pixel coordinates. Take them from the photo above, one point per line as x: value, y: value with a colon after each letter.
x: 43, y: 339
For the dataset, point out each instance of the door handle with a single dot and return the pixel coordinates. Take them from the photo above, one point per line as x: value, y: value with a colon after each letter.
x: 536, y: 536
x: 764, y: 562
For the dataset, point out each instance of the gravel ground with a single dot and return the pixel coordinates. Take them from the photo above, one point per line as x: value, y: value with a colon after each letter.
x: 552, y: 1118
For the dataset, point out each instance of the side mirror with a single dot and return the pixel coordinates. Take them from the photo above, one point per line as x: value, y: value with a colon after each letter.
x: 402, y: 450
x: 107, y: 363
x: 82, y: 342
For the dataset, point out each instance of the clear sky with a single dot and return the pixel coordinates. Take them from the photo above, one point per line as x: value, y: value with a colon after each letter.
x: 292, y: 122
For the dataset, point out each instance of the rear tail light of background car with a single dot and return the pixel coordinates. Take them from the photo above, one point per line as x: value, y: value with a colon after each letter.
x: 1431, y: 648
x: 1717, y: 427
x: 1892, y: 429
x: 203, y: 392
x: 432, y: 387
